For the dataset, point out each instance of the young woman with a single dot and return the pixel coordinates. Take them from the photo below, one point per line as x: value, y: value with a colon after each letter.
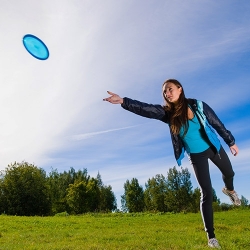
x: 192, y: 126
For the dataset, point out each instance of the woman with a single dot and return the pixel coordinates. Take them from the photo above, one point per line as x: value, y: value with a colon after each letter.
x: 192, y: 125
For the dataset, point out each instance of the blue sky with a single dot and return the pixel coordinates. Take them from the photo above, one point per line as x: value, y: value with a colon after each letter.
x: 52, y: 113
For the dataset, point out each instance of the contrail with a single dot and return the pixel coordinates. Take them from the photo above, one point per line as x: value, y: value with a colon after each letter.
x: 87, y: 135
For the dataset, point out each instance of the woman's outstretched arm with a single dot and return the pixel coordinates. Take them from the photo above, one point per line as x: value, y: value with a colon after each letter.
x: 140, y: 108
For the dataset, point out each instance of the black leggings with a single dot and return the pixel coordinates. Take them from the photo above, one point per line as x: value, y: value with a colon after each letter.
x: 201, y: 169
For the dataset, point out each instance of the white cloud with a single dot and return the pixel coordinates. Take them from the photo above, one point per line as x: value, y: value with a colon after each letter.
x: 89, y: 135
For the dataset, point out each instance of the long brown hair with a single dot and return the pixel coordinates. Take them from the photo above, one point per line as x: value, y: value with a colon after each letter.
x: 178, y: 114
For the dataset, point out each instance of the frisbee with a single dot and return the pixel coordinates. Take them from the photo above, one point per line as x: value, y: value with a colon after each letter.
x: 35, y: 47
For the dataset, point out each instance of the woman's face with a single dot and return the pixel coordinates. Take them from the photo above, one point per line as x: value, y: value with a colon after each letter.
x: 171, y: 92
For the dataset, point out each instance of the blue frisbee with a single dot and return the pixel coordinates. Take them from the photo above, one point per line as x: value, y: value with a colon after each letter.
x: 35, y: 47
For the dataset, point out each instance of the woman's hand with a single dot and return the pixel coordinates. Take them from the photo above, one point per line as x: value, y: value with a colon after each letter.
x: 234, y: 150
x: 114, y: 98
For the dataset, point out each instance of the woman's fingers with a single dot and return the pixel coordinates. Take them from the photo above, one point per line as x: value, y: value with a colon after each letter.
x: 234, y: 149
x: 111, y: 93
x: 114, y: 98
x: 108, y: 98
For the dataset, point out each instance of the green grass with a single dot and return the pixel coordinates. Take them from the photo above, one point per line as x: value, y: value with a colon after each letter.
x: 123, y: 231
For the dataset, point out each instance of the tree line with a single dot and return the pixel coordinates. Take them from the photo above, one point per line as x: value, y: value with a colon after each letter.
x: 27, y: 190
x: 173, y: 193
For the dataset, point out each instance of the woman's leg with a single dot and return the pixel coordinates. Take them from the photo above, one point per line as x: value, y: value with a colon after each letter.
x: 225, y: 166
x: 223, y: 163
x: 201, y: 169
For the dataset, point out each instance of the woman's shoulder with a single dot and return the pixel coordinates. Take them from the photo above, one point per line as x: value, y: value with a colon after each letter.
x: 192, y: 102
x: 196, y: 102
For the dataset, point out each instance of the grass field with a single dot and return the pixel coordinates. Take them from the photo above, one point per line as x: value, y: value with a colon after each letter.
x: 123, y: 231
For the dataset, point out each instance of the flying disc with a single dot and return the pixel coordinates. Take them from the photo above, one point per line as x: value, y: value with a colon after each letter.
x: 36, y: 47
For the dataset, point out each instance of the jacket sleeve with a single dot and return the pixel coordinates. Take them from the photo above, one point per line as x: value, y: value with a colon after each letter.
x: 216, y: 123
x: 144, y: 109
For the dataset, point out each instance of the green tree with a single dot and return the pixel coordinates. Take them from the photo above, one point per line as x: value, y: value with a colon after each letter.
x: 82, y: 196
x: 154, y: 194
x: 244, y: 201
x: 107, y: 200
x: 58, y: 184
x: 24, y: 190
x: 133, y: 197
x: 179, y: 190
x: 90, y: 196
x: 215, y: 198
x: 226, y: 206
x: 216, y: 202
x: 196, y: 197
x: 76, y: 197
x: 3, y: 204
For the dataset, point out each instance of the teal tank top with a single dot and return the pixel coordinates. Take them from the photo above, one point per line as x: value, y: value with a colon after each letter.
x: 195, y: 140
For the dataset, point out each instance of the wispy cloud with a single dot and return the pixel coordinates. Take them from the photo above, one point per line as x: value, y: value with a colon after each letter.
x: 88, y: 135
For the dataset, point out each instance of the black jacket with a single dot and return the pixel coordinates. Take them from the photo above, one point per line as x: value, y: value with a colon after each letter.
x: 206, y: 115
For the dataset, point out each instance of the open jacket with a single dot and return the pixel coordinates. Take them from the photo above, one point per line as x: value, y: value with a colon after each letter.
x: 207, y: 117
